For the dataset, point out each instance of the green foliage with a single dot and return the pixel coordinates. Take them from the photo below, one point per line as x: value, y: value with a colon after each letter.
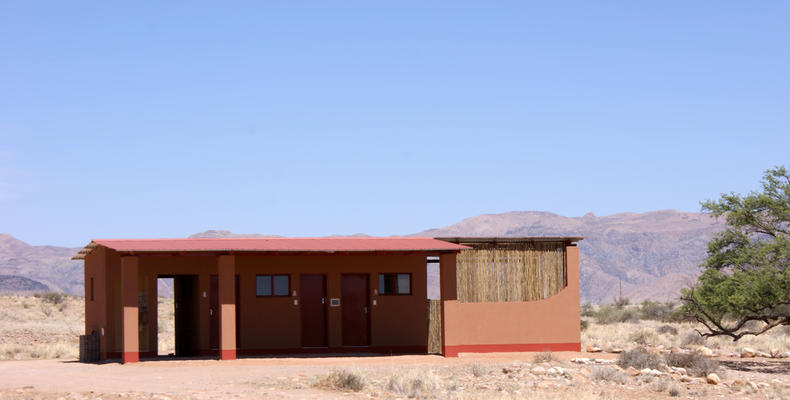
x: 746, y: 275
x: 612, y: 314
x: 621, y: 302
x: 587, y: 310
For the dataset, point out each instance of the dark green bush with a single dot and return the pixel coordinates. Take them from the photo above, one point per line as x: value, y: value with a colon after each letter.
x: 584, y: 324
x: 588, y: 310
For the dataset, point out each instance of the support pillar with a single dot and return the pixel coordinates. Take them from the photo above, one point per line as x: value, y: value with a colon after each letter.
x: 130, y: 324
x: 572, y: 271
x: 226, y: 275
x: 448, y: 290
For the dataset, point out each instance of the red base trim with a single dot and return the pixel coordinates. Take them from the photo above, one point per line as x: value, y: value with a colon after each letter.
x: 227, y: 354
x: 452, y: 351
x: 130, y: 357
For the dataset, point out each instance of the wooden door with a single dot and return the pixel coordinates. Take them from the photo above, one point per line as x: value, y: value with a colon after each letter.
x: 314, y: 303
x: 354, y: 303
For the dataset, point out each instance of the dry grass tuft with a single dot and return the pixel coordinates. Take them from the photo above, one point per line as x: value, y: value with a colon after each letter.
x: 343, y: 380
x: 640, y: 358
x: 696, y: 364
x: 545, y: 356
x: 692, y: 338
x: 414, y: 383
x: 608, y: 374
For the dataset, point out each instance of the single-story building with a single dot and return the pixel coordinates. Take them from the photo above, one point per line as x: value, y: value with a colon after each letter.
x: 252, y: 296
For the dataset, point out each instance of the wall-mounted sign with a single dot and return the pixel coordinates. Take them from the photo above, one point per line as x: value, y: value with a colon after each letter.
x: 334, y: 302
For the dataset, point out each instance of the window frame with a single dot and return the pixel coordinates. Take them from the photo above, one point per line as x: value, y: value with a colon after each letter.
x: 271, y: 286
x: 395, y: 284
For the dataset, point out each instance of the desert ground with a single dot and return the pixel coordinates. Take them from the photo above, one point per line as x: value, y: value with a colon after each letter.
x: 39, y: 346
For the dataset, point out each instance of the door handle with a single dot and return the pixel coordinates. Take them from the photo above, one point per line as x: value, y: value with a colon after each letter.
x: 211, y: 312
x: 366, y: 310
x: 323, y: 300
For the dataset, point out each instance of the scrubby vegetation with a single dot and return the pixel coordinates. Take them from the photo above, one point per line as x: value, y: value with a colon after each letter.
x: 640, y: 358
x: 342, y: 379
x: 694, y: 363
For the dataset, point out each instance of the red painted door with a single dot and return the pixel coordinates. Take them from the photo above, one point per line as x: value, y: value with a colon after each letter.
x: 354, y: 304
x: 213, y: 314
x: 313, y: 299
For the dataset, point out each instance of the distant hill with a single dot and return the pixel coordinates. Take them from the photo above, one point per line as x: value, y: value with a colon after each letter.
x: 20, y: 284
x: 50, y: 266
x: 653, y: 254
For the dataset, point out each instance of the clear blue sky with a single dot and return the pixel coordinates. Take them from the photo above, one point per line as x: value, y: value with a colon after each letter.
x: 162, y: 120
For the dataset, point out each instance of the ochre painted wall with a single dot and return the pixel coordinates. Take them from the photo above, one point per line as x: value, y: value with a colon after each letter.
x: 549, y: 324
x: 397, y: 323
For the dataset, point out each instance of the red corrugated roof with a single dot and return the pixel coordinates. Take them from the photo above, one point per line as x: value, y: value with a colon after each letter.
x: 325, y: 244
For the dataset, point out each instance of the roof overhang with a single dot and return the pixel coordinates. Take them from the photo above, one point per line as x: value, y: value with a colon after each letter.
x: 274, y: 245
x: 493, y: 240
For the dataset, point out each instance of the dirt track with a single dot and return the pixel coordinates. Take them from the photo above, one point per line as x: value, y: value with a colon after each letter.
x: 479, y: 376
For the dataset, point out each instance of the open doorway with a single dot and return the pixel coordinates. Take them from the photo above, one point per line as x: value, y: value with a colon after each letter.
x: 165, y: 318
x: 181, y: 313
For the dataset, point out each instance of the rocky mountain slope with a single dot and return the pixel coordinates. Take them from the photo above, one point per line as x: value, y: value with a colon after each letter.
x: 25, y: 267
x: 652, y: 255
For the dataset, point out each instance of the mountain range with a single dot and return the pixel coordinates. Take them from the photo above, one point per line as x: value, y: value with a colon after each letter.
x: 640, y: 256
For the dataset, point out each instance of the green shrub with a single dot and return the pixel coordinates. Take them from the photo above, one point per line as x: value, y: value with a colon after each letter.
x: 612, y: 314
x: 640, y: 358
x: 584, y: 324
x: 656, y: 311
x: 587, y: 310
x: 621, y: 302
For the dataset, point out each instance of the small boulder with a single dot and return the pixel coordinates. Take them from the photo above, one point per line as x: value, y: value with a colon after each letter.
x: 705, y: 351
x: 775, y: 352
x: 686, y: 379
x: 748, y: 352
x: 645, y: 371
x: 632, y: 371
x: 538, y: 371
x: 762, y: 354
x: 784, y: 354
x: 593, y: 349
x: 713, y: 379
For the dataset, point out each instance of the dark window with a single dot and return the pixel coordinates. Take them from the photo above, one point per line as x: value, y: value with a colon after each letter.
x: 272, y: 285
x: 91, y: 288
x: 394, y: 284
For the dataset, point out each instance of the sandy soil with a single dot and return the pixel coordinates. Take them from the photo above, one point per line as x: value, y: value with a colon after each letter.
x: 491, y: 376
